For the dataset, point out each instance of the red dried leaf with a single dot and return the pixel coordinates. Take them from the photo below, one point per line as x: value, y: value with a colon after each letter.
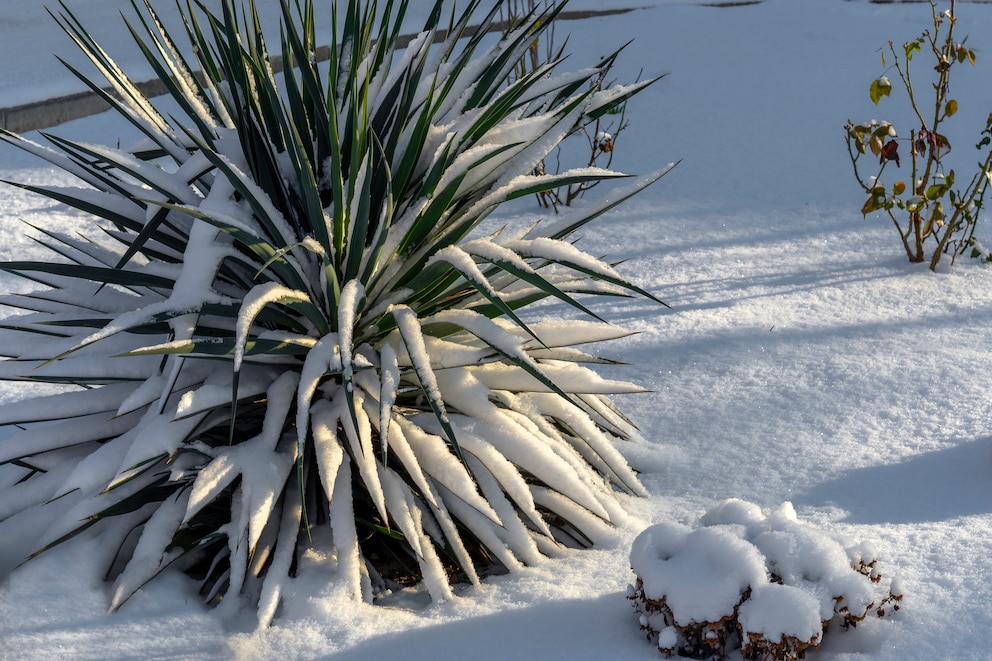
x: 889, y: 153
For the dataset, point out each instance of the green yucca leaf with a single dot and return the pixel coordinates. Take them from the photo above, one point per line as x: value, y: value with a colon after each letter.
x: 139, y: 120
x: 149, y: 231
x: 102, y: 323
x: 66, y: 537
x: 264, y: 252
x: 207, y: 61
x: 35, y: 330
x: 134, y: 106
x: 93, y: 177
x: 573, y: 260
x: 500, y: 342
x: 84, y: 200
x: 431, y: 217
x: 114, y: 276
x: 555, y: 182
x: 226, y: 347
x: 274, y: 224
x: 349, y: 303
x: 108, y: 207
x: 413, y: 339
x: 174, y: 71
x: 376, y: 231
x: 509, y: 100
x: 506, y: 260
x: 466, y: 267
x: 360, y: 217
x: 520, y: 39
x: 301, y: 107
x: 570, y: 222
x: 256, y: 300
x: 148, y: 174
x: 306, y: 186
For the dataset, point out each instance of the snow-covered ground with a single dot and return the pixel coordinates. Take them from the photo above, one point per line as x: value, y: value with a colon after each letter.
x: 803, y: 360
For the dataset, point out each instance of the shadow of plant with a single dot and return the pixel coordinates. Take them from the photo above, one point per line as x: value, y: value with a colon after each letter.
x: 936, y: 486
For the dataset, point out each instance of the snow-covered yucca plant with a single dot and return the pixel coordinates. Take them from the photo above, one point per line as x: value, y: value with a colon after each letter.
x: 280, y: 330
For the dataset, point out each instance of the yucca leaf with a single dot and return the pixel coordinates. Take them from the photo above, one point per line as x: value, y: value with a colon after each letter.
x: 505, y: 260
x: 269, y: 216
x: 94, y: 177
x: 416, y: 132
x: 146, y: 173
x: 226, y: 347
x: 139, y: 121
x: 431, y: 217
x: 568, y: 223
x: 173, y: 70
x: 333, y: 237
x: 569, y: 256
x: 352, y: 295
x: 163, y: 521
x: 69, y: 535
x: 254, y: 301
x: 409, y: 329
x: 92, y: 273
x: 108, y: 206
x: 265, y: 252
x: 516, y: 42
x: 358, y: 227
x: 463, y: 263
x: 501, y: 342
x: 377, y: 233
x: 557, y: 181
x: 389, y: 385
x: 35, y: 331
x: 606, y: 101
x: 150, y: 230
x: 156, y: 329
x: 208, y: 63
x: 306, y: 183
x: 509, y: 100
x: 136, y: 107
x: 301, y: 108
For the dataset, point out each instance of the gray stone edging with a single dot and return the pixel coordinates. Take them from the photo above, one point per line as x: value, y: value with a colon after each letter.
x: 50, y: 112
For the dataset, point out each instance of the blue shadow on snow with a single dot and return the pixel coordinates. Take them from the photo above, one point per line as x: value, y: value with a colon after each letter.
x: 936, y: 486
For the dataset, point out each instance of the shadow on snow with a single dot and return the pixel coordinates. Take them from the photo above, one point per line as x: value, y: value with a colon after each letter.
x: 936, y: 486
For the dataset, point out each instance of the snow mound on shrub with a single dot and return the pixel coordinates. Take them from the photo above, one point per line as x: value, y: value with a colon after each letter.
x: 764, y: 583
x: 775, y: 612
x: 700, y: 573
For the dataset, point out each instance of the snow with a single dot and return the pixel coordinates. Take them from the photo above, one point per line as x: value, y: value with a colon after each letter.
x: 803, y: 359
x: 775, y: 611
x: 252, y: 303
x: 701, y: 573
x: 780, y: 581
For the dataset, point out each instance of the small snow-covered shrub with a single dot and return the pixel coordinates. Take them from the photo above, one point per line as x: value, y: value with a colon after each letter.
x: 764, y: 584
x: 280, y: 329
x: 927, y: 203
